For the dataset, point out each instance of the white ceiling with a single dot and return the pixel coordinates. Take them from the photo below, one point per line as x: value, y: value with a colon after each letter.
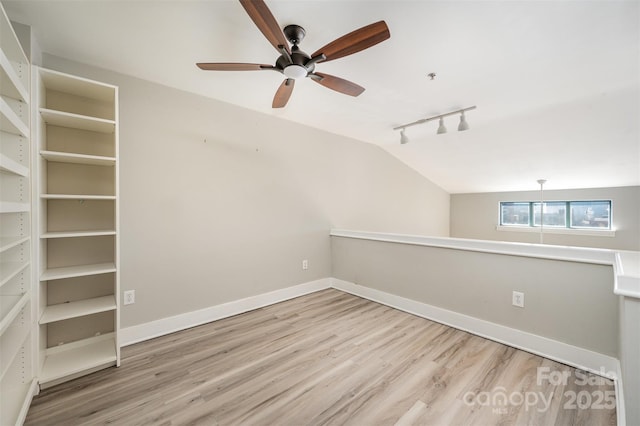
x: 556, y: 83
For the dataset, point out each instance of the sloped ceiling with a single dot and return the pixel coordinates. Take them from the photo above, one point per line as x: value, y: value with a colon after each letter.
x: 556, y: 83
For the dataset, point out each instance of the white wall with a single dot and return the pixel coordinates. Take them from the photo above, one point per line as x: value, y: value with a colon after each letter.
x: 220, y: 203
x: 566, y: 301
x: 476, y: 216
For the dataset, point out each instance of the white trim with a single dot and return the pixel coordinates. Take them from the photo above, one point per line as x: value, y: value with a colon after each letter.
x: 543, y: 251
x: 594, y: 362
x: 26, y: 404
x: 620, y: 407
x: 149, y: 330
x: 558, y: 230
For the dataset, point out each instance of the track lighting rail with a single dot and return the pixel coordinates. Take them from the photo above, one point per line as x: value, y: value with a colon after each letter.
x: 435, y: 117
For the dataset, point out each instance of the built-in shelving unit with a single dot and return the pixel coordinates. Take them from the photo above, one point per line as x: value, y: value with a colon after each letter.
x: 77, y: 132
x: 17, y: 373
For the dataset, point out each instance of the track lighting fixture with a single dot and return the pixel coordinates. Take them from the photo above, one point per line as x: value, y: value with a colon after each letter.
x: 464, y: 125
x: 403, y: 138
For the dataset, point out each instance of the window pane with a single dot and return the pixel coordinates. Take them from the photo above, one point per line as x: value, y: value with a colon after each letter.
x: 555, y: 214
x: 591, y: 214
x: 514, y: 214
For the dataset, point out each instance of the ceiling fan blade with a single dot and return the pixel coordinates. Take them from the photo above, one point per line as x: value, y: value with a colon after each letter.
x: 355, y: 41
x: 232, y: 66
x: 283, y: 94
x: 266, y: 23
x: 338, y: 84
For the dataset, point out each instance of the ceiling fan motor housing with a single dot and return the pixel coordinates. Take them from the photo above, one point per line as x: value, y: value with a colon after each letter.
x: 295, y: 65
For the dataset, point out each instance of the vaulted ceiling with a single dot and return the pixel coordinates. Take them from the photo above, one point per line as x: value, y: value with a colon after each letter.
x: 556, y: 83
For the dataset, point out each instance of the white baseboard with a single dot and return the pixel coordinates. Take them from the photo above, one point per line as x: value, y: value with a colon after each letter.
x: 149, y: 330
x: 584, y: 359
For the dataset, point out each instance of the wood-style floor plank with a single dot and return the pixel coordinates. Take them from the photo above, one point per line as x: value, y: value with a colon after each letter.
x: 328, y: 358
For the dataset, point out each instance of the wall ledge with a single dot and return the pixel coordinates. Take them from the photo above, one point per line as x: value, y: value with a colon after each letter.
x: 626, y: 264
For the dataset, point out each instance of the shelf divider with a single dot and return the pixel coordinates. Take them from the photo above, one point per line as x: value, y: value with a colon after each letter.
x: 67, y: 157
x: 78, y: 234
x: 77, y: 121
x: 77, y: 271
x: 78, y: 308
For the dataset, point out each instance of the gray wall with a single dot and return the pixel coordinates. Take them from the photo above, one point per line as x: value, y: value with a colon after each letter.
x: 566, y: 301
x: 475, y: 216
x: 220, y: 203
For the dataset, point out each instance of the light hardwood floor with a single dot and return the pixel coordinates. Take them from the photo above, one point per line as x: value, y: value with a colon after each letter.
x: 328, y: 358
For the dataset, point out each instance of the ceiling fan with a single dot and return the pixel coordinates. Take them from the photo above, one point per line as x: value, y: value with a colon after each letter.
x: 293, y: 62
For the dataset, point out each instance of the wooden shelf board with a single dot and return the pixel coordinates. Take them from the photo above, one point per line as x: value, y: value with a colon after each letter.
x: 77, y: 271
x: 78, y: 86
x: 10, y: 270
x: 73, y: 358
x: 75, y: 234
x: 10, y: 307
x: 76, y: 197
x: 77, y: 309
x: 10, y: 122
x: 77, y: 121
x: 19, y: 336
x: 13, y: 207
x: 66, y: 157
x: 9, y: 165
x: 7, y: 243
x: 10, y: 83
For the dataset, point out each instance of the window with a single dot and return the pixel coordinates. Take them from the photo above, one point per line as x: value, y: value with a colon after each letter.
x: 557, y: 214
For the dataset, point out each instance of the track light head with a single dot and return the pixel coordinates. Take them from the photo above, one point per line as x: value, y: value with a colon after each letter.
x: 441, y: 128
x: 463, y: 123
x: 403, y: 138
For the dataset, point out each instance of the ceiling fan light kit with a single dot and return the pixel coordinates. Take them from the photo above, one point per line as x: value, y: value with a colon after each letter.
x: 296, y: 64
x: 464, y: 125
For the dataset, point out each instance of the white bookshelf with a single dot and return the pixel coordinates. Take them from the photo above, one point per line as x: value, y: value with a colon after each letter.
x: 17, y: 322
x: 77, y: 170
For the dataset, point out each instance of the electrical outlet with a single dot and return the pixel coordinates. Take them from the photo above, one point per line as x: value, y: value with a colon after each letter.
x: 518, y: 299
x: 129, y: 297
x: 305, y: 265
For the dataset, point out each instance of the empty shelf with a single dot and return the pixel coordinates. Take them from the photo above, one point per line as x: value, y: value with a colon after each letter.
x: 78, y: 308
x: 72, y: 358
x: 77, y: 271
x: 74, y: 234
x: 7, y: 243
x: 8, y: 165
x: 77, y: 197
x: 65, y: 157
x: 77, y: 121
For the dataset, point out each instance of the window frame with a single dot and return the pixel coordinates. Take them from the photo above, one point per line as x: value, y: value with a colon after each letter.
x: 568, y: 228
